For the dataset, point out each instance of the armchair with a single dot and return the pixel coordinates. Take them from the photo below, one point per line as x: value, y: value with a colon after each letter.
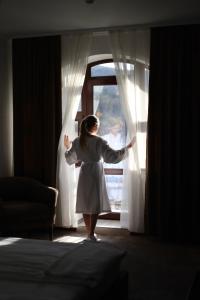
x: 25, y: 205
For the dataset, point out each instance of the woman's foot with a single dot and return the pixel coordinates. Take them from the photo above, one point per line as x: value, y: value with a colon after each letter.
x: 92, y: 237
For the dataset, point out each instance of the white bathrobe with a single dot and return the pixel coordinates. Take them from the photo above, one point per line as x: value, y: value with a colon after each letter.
x: 92, y: 196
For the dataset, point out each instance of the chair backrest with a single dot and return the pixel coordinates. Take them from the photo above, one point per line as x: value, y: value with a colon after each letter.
x: 27, y: 189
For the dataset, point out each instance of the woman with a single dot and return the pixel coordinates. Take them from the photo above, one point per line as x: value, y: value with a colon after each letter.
x: 90, y: 149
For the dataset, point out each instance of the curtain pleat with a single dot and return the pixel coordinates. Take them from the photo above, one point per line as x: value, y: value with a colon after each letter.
x: 75, y: 52
x: 130, y: 50
x: 6, y: 109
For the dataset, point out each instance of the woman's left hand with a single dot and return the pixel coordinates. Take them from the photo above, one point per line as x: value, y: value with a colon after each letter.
x: 67, y: 142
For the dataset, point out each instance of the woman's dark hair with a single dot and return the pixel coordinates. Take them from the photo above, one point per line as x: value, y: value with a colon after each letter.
x: 86, y: 125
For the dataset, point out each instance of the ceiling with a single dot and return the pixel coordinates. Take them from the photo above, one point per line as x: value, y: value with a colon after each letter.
x: 38, y: 17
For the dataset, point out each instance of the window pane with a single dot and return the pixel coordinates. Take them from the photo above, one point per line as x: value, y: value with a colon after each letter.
x: 114, y: 185
x: 112, y: 124
x: 107, y: 69
x: 80, y: 106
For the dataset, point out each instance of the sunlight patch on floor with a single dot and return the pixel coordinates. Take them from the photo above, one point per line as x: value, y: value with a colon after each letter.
x: 70, y: 239
x: 76, y: 239
x: 9, y: 241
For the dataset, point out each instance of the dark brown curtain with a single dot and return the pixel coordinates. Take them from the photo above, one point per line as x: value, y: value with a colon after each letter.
x: 172, y: 186
x: 37, y: 106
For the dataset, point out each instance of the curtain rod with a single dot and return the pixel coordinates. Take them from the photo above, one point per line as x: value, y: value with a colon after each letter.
x: 100, y: 30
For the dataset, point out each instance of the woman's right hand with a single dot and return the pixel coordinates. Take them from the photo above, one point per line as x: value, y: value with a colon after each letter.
x: 132, y: 142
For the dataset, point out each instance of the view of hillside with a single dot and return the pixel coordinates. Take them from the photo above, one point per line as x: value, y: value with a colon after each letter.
x: 106, y: 69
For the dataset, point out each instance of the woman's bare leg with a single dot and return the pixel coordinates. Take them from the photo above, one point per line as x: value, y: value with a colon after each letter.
x: 93, y: 222
x: 86, y: 219
x: 90, y: 221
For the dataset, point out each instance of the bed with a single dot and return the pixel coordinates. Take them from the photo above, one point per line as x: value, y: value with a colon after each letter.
x: 44, y: 270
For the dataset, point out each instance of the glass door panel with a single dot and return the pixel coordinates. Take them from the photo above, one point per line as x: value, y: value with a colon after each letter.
x: 114, y: 185
x: 106, y: 105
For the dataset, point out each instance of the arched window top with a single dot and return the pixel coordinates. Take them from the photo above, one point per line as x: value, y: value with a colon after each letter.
x: 106, y: 68
x: 103, y: 69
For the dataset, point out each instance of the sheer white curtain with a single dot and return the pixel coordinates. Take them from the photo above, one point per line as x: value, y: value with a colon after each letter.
x: 75, y: 52
x: 130, y: 50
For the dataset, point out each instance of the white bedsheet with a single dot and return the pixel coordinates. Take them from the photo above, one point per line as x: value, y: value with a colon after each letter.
x: 36, y: 269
